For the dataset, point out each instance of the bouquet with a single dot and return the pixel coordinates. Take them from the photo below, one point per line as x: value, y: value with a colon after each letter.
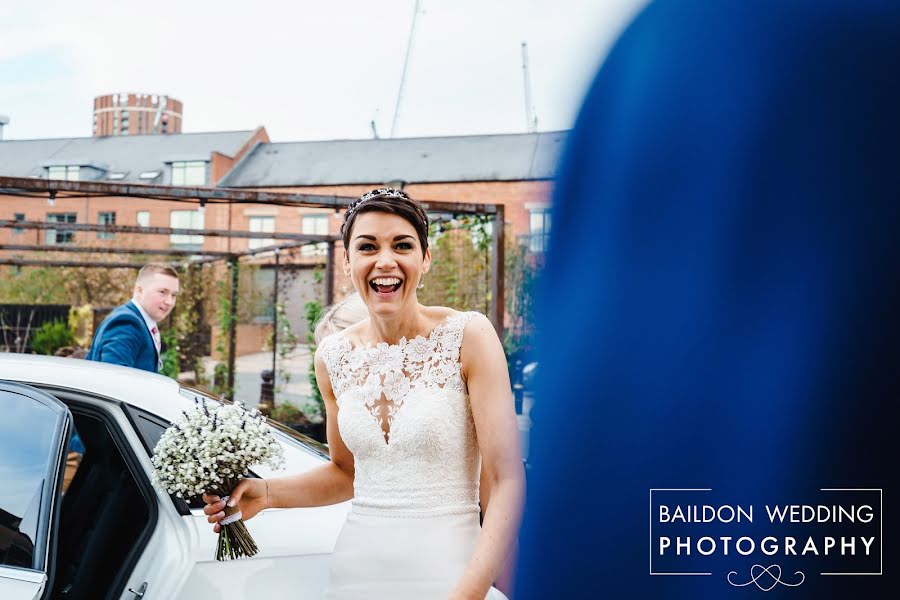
x: 210, y: 449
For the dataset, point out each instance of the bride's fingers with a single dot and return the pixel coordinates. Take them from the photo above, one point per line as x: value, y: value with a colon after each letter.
x: 215, y: 518
x: 217, y: 528
x: 213, y: 508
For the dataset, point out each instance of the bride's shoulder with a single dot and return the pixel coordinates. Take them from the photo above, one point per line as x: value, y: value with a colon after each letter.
x: 445, y: 316
x: 349, y: 334
x: 472, y: 323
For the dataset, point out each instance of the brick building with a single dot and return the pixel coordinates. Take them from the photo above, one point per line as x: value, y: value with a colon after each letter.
x: 514, y: 170
x: 136, y: 114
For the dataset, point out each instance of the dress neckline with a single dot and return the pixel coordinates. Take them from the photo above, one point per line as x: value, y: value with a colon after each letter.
x: 403, y: 340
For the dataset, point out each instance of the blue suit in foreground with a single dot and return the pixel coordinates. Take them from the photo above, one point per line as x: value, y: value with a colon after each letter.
x: 123, y: 339
x: 720, y: 307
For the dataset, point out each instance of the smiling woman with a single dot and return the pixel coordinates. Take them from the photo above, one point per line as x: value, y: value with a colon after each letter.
x: 409, y: 393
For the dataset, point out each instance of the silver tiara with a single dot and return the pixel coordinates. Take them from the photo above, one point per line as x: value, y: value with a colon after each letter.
x: 379, y: 193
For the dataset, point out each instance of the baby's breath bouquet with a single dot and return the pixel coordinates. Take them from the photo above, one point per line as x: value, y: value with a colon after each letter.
x: 210, y: 449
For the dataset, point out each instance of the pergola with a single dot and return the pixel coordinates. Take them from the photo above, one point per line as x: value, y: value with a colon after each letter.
x: 52, y: 190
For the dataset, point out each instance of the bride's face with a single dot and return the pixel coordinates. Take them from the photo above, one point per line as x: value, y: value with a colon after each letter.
x: 385, y: 262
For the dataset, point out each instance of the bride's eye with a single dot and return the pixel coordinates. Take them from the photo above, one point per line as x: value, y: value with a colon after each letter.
x: 365, y: 247
x: 404, y: 246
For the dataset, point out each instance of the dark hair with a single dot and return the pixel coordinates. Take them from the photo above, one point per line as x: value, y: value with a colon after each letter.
x: 391, y: 201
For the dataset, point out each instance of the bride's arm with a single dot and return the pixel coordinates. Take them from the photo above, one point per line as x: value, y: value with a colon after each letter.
x: 329, y: 484
x: 487, y: 379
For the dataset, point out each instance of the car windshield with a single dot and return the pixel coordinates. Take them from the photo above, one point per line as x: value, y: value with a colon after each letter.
x: 283, y: 431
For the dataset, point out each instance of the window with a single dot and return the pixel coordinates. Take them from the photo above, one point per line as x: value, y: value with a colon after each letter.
x: 106, y: 218
x: 189, y: 173
x: 539, y: 228
x: 263, y: 285
x: 69, y: 173
x: 29, y: 440
x: 149, y: 175
x: 315, y: 225
x: 186, y: 219
x: 19, y: 217
x: 143, y: 218
x: 262, y: 225
x: 52, y: 236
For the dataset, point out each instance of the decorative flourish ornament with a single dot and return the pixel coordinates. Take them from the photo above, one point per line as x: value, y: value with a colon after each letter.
x: 774, y: 577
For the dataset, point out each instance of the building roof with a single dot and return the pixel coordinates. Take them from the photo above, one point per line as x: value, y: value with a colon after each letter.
x: 131, y: 155
x: 505, y: 157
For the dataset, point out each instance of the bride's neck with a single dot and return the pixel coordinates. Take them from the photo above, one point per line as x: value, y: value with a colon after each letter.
x: 407, y: 325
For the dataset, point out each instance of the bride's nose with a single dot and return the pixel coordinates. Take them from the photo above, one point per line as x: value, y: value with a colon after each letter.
x: 385, y: 259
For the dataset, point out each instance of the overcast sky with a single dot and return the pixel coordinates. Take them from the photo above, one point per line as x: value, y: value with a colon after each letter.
x: 306, y: 70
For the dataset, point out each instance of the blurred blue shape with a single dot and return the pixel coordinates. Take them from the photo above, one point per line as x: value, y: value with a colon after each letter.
x: 720, y: 303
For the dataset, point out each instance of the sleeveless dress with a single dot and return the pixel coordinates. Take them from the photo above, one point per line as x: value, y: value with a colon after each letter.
x: 404, y: 413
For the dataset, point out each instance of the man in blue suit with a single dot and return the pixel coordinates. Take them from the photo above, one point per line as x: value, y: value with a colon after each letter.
x: 130, y: 336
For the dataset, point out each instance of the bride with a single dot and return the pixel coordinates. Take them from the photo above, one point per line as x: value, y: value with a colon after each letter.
x: 420, y: 424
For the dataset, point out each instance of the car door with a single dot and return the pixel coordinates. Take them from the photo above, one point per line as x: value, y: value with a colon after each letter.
x: 34, y: 434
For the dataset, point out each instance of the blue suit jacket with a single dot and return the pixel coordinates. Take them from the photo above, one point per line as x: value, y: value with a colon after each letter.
x: 123, y: 339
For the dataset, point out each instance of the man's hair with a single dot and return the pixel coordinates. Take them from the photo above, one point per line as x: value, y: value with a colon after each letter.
x: 154, y: 268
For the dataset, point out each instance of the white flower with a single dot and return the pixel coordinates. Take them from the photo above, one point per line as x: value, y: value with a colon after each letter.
x: 211, y: 444
x: 396, y: 386
x: 418, y: 349
x: 384, y: 358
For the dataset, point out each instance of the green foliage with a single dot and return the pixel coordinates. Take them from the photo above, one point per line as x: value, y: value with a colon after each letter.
x: 460, y: 275
x: 31, y: 286
x: 313, y: 310
x: 522, y: 271
x: 170, y: 366
x: 225, y: 320
x: 50, y: 337
x: 189, y: 318
x: 288, y: 414
x: 287, y: 343
x: 81, y: 323
x: 220, y: 379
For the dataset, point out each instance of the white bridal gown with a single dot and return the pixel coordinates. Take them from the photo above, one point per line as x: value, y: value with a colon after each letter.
x: 414, y: 521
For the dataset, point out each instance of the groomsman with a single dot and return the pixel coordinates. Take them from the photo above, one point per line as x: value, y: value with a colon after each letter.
x: 129, y: 336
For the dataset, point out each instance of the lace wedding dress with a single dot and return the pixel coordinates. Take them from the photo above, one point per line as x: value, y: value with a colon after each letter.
x: 404, y: 413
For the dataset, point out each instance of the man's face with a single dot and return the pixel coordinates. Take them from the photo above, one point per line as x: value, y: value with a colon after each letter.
x: 156, y: 294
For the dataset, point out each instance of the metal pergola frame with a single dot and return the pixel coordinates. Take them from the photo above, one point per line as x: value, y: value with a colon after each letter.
x: 59, y: 189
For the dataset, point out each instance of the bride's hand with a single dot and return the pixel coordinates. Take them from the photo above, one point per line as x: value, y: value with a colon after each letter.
x: 252, y: 493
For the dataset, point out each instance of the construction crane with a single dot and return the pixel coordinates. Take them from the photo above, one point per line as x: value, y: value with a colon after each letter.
x: 409, y: 47
x: 530, y: 117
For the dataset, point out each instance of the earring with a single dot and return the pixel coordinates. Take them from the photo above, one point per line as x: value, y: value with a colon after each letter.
x: 420, y: 286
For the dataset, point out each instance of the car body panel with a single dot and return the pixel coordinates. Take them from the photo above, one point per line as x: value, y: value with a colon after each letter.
x: 178, y: 560
x: 21, y: 584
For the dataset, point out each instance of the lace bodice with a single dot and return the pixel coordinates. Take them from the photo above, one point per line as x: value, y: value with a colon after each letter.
x: 404, y: 413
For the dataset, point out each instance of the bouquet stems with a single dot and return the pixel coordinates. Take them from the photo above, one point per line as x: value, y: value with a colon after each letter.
x: 234, y: 539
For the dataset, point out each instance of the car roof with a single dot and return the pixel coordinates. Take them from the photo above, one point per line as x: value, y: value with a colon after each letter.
x: 154, y: 393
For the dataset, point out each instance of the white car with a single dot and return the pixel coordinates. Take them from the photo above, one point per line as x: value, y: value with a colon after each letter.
x: 111, y: 535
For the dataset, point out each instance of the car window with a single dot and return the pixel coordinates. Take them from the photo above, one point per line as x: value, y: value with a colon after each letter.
x: 29, y: 452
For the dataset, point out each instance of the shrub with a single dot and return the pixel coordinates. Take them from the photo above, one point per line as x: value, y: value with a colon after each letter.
x: 50, y: 337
